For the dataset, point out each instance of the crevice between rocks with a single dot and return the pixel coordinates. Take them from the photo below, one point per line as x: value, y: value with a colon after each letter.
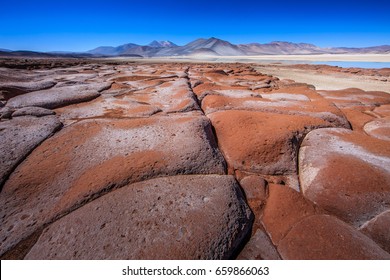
x: 193, y: 95
x: 21, y: 249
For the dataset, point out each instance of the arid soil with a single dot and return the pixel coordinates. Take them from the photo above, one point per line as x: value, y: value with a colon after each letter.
x: 134, y: 160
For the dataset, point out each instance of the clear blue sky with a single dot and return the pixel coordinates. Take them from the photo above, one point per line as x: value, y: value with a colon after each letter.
x: 70, y: 25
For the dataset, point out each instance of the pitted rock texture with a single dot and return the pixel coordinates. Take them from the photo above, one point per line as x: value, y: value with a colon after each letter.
x: 91, y: 157
x: 58, y: 96
x: 181, y: 217
x: 32, y: 111
x: 134, y: 163
x: 19, y: 137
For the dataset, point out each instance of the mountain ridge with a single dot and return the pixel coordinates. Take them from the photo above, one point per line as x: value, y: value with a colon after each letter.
x: 211, y: 47
x: 225, y: 48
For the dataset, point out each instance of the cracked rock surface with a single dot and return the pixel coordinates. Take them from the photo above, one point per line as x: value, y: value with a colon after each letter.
x: 141, y: 160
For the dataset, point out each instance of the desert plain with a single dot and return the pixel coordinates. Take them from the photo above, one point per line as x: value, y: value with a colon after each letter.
x: 194, y: 159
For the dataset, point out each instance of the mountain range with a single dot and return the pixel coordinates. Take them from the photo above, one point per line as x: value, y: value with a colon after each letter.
x: 210, y: 47
x: 217, y: 47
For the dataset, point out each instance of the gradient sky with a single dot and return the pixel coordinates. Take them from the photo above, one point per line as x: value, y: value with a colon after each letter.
x: 83, y: 25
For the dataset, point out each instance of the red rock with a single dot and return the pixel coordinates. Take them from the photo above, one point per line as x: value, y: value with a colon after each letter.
x: 255, y: 191
x: 319, y: 108
x: 182, y: 217
x: 357, y: 117
x: 378, y: 230
x: 356, y: 97
x: 284, y: 208
x: 88, y: 159
x: 346, y: 173
x: 383, y: 110
x: 264, y: 143
x: 379, y: 128
x: 106, y: 107
x: 323, y: 237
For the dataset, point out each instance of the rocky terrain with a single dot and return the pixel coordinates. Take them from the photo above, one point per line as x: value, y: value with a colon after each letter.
x: 124, y: 160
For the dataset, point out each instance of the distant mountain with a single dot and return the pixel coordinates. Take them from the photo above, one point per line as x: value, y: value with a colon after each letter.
x: 217, y: 47
x: 220, y: 47
x: 113, y: 51
x: 162, y: 44
x: 133, y: 49
x: 385, y: 49
x: 46, y: 54
x: 205, y: 47
x: 279, y: 47
x: 166, y: 48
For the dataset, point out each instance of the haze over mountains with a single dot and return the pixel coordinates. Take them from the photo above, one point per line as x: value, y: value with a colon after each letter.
x: 211, y: 47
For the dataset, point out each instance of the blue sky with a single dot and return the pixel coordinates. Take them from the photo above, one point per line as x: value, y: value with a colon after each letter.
x: 82, y: 25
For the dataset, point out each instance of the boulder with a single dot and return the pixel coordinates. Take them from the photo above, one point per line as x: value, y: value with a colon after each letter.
x: 346, y: 173
x: 324, y: 237
x: 181, y: 217
x: 258, y: 142
x: 19, y: 137
x: 284, y: 208
x: 58, y: 96
x: 378, y: 229
x: 6, y: 112
x: 88, y: 159
x: 379, y: 128
x: 32, y: 111
x: 255, y: 191
x: 259, y: 247
x: 355, y: 97
x: 171, y: 96
x: 20, y: 87
x: 106, y: 107
x: 383, y: 110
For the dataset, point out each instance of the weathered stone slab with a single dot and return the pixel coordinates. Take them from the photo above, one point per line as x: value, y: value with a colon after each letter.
x: 181, y: 217
x: 89, y: 158
x: 19, y: 137
x: 58, y: 96
x: 323, y: 237
x: 346, y: 173
x: 264, y: 143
